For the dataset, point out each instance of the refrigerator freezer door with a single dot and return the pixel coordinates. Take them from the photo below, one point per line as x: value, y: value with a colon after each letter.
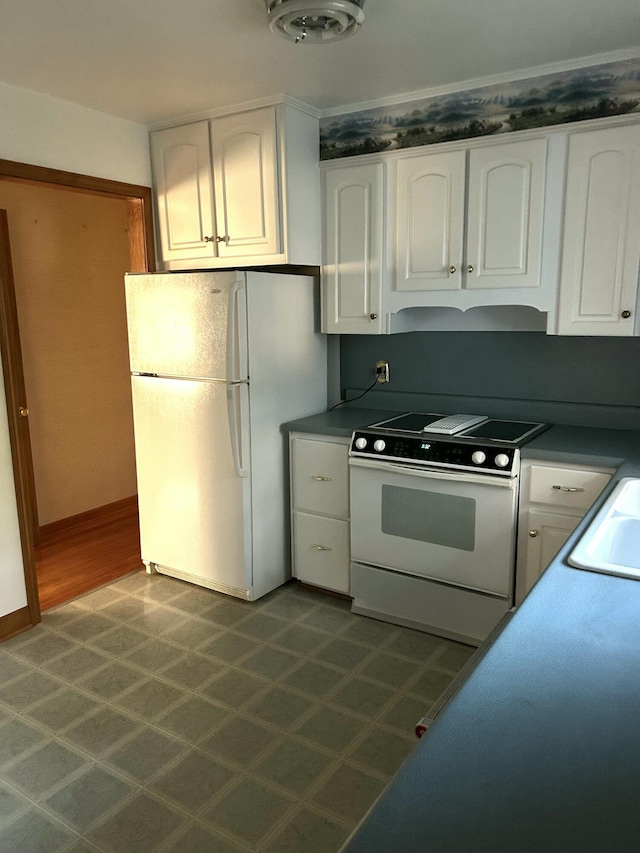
x: 194, y: 508
x: 187, y: 325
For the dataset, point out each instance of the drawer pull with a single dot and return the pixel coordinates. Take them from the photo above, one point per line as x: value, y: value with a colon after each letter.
x: 321, y: 547
x: 321, y: 479
x: 568, y: 488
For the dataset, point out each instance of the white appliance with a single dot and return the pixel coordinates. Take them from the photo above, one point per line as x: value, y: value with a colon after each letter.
x: 433, y: 521
x: 218, y: 361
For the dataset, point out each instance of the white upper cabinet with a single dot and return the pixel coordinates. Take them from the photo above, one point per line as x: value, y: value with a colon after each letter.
x: 183, y: 189
x: 494, y: 242
x: 601, y: 240
x: 245, y: 168
x: 353, y: 204
x: 243, y: 186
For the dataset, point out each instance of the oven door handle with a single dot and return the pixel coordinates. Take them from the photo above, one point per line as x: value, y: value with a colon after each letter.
x: 433, y: 474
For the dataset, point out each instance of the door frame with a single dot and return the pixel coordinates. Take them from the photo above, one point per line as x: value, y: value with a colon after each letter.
x: 142, y: 250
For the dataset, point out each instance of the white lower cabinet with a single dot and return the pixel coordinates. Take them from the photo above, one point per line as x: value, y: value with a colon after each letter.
x: 319, y: 472
x: 553, y: 499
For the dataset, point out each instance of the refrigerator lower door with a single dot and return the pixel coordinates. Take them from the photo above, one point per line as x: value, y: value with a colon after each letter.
x: 195, y: 519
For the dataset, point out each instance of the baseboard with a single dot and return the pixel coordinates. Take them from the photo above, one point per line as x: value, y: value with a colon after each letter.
x: 15, y: 623
x: 126, y: 506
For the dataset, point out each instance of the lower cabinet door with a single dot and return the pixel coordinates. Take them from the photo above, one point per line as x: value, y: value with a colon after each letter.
x: 543, y: 535
x: 321, y: 551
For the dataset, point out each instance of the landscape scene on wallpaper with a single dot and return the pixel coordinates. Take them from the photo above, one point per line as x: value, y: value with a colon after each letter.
x: 568, y: 96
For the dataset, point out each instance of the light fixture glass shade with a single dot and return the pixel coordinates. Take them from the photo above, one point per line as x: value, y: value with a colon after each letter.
x: 315, y: 20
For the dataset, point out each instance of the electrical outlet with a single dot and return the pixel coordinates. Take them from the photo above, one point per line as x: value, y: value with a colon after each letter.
x: 382, y: 371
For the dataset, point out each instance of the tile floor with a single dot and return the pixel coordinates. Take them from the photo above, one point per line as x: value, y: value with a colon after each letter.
x: 152, y: 715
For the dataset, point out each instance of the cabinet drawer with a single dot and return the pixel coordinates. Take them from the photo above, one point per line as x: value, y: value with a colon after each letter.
x: 321, y: 477
x: 321, y: 551
x: 568, y: 487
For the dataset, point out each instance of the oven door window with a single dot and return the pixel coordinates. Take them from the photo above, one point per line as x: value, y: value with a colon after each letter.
x: 434, y: 517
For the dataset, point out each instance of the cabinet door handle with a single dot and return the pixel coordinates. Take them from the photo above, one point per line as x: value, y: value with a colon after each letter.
x: 321, y: 547
x: 320, y: 479
x: 222, y: 239
x: 568, y: 488
x: 470, y: 268
x: 373, y: 316
x: 625, y: 315
x: 533, y: 533
x: 209, y: 239
x: 452, y: 270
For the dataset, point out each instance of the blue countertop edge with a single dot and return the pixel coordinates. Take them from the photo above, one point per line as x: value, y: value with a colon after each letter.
x: 540, y: 748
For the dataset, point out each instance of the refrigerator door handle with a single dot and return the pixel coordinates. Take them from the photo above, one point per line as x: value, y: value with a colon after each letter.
x: 233, y: 342
x: 235, y: 427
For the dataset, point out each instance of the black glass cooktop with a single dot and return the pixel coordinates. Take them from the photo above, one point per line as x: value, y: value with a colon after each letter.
x: 508, y: 432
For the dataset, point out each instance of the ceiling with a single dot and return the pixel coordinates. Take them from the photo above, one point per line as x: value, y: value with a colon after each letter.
x: 153, y: 60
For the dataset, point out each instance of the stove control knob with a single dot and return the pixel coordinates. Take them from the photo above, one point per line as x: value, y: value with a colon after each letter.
x: 478, y: 457
x: 502, y: 460
x: 379, y: 445
x: 361, y: 443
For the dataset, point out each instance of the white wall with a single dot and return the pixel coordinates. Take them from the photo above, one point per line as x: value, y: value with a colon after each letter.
x: 44, y: 131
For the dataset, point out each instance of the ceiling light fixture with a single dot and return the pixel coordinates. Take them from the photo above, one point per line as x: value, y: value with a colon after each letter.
x: 315, y: 20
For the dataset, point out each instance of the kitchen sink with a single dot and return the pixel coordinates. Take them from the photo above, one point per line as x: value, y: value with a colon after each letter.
x: 611, y: 543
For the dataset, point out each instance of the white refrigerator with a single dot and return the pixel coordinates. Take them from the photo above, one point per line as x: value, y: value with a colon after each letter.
x: 219, y: 360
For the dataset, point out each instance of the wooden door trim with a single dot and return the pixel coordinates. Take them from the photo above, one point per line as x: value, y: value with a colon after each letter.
x: 19, y: 439
x: 142, y: 251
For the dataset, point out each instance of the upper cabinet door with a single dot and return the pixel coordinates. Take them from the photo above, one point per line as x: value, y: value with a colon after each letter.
x: 181, y: 162
x: 601, y: 246
x: 245, y: 162
x: 505, y: 215
x: 353, y: 249
x: 430, y: 221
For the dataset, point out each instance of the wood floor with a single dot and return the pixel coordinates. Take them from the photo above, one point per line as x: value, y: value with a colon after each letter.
x: 83, y: 553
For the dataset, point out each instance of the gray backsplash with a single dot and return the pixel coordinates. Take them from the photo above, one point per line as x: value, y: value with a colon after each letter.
x: 521, y: 375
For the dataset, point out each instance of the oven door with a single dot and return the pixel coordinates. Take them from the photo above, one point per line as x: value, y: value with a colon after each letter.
x: 453, y: 527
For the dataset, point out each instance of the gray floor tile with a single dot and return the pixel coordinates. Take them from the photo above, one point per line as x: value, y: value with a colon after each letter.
x: 369, y: 631
x: 128, y: 608
x: 288, y: 607
x: 294, y: 766
x: 349, y: 793
x: 43, y: 768
x: 121, y: 639
x: 414, y: 644
x: 112, y: 680
x: 261, y: 626
x: 63, y: 708
x: 153, y: 655
x: 405, y: 713
x: 315, y: 679
x: 199, y: 839
x: 229, y: 647
x: 193, y: 781
x: 429, y: 685
x: 390, y: 669
x: 101, y: 731
x: 235, y: 688
x: 89, y: 626
x: 226, y: 613
x: 301, y: 639
x: 24, y: 691
x: 382, y: 750
x: 193, y: 718
x: 192, y: 671
x: 11, y: 668
x: 362, y: 697
x: 454, y: 656
x: 101, y: 598
x: 17, y: 737
x: 250, y: 825
x: 11, y: 804
x: 140, y: 825
x: 310, y: 832
x: 342, y: 653
x: 159, y: 620
x: 34, y: 832
x: 331, y: 729
x: 145, y: 754
x: 194, y: 600
x: 45, y: 647
x: 192, y: 634
x: 149, y: 699
x: 161, y: 589
x: 279, y: 707
x: 132, y: 583
x: 88, y: 797
x: 239, y: 741
x: 76, y: 664
x: 59, y: 618
x: 328, y: 619
x: 270, y: 662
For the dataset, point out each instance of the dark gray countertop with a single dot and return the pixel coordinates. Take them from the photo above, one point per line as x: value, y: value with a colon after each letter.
x: 540, y: 748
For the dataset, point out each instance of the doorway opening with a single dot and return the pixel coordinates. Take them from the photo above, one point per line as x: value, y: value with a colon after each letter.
x: 72, y: 239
